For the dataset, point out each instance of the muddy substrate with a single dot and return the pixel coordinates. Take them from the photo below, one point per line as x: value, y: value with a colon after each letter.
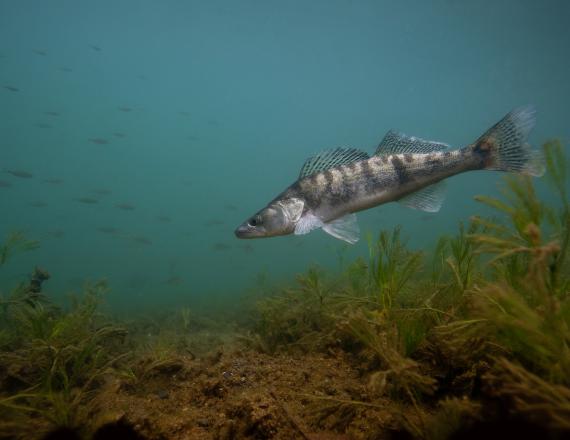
x: 245, y: 394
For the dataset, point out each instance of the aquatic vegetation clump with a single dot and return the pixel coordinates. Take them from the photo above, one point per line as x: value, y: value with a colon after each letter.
x: 531, y: 395
x: 53, y: 360
x: 298, y: 318
x: 397, y: 374
x: 391, y: 266
x: 529, y: 305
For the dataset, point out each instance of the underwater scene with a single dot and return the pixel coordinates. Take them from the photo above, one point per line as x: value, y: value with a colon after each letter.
x: 319, y: 220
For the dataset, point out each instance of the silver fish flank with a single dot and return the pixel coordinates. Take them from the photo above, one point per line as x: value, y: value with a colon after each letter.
x: 335, y: 184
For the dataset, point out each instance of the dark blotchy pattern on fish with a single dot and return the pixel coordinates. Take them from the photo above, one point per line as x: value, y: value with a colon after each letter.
x: 400, y: 169
x: 341, y: 185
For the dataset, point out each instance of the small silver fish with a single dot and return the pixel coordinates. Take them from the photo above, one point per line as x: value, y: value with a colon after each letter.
x: 335, y: 184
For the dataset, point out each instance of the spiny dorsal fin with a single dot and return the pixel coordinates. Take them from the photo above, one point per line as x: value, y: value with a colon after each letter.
x: 398, y: 143
x: 328, y: 159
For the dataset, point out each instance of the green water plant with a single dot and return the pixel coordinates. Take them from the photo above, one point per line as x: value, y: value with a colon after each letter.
x: 396, y: 374
x: 391, y: 266
x: 14, y: 243
x: 296, y: 318
x: 528, y: 303
x: 57, y: 358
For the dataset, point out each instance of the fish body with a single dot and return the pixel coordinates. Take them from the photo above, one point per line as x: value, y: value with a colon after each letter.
x: 335, y: 184
x: 20, y: 173
x: 125, y: 206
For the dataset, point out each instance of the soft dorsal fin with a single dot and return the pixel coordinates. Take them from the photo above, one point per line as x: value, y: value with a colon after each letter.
x: 331, y: 158
x: 398, y: 143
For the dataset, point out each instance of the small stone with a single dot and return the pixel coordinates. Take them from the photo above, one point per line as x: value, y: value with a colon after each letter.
x: 162, y: 394
x: 203, y: 423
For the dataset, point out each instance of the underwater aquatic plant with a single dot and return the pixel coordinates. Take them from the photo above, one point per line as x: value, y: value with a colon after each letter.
x: 526, y: 305
x: 397, y: 373
x: 557, y: 176
x: 530, y: 395
x: 186, y: 313
x: 56, y: 358
x: 14, y: 243
x: 300, y: 317
x: 391, y: 266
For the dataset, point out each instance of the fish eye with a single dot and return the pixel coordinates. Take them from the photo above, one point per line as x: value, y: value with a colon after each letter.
x: 254, y: 221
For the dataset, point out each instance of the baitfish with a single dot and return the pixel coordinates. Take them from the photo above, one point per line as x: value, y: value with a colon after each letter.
x: 336, y: 183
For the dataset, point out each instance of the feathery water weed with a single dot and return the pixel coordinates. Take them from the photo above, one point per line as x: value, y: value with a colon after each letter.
x: 16, y: 242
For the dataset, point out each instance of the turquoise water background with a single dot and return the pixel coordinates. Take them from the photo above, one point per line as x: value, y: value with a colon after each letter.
x: 196, y: 114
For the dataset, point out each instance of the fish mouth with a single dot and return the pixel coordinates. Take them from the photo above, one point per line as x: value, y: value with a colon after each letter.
x: 246, y: 231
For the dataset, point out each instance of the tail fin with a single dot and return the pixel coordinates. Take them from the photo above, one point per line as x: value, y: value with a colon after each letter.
x: 504, y: 146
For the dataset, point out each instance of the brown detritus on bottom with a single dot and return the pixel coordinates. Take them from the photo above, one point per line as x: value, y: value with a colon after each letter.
x: 294, y: 423
x: 244, y: 395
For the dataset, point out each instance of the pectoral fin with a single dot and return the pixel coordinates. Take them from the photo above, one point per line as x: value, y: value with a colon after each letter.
x: 307, y: 223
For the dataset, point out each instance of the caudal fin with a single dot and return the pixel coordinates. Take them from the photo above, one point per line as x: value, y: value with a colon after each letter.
x: 504, y: 146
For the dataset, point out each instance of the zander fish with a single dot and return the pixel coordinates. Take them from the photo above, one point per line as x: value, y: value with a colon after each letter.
x: 335, y: 184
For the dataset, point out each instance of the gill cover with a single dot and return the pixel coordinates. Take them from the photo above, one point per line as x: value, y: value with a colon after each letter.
x: 278, y: 218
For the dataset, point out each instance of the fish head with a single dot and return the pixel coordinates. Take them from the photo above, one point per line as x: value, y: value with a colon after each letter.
x: 277, y: 218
